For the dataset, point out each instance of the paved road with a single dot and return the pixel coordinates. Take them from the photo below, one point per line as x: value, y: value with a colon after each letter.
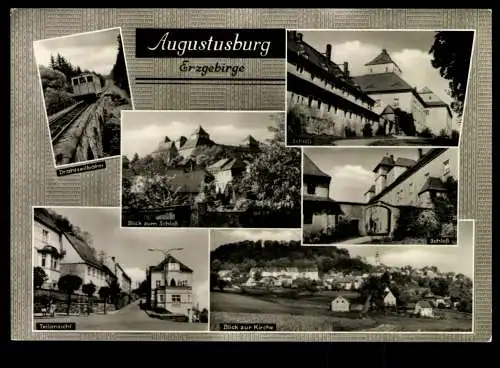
x: 130, y: 318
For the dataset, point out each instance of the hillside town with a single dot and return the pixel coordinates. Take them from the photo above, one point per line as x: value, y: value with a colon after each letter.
x: 197, y: 182
x: 332, y: 283
x: 329, y: 105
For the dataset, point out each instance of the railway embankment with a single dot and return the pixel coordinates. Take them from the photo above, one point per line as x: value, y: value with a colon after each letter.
x: 108, y: 112
x: 95, y: 134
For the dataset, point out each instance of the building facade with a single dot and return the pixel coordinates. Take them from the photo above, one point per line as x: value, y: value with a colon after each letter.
x: 383, y: 82
x: 225, y: 171
x: 398, y: 182
x: 171, y: 286
x: 60, y: 253
x: 333, y: 102
x: 319, y: 210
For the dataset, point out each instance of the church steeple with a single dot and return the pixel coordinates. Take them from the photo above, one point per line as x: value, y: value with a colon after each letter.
x: 382, y: 63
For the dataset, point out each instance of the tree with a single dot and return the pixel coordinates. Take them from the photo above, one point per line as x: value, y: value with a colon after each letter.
x: 104, y: 293
x: 451, y: 53
x: 119, y: 71
x: 89, y: 289
x: 135, y: 158
x: 114, y: 289
x: 69, y: 284
x: 367, y: 130
x: 204, y: 315
x: 273, y: 179
x: 257, y: 275
x: 39, y: 277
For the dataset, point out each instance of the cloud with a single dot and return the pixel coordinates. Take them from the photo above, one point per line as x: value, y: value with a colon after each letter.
x: 350, y: 182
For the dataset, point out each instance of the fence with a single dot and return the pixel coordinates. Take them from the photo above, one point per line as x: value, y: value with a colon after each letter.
x: 79, y: 304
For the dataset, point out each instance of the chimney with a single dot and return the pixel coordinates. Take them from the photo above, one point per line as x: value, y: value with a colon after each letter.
x: 328, y: 52
x: 392, y: 157
x: 299, y: 36
x: 346, y: 69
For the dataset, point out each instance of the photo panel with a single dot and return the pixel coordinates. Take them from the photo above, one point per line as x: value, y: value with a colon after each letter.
x: 91, y: 275
x: 205, y: 169
x: 377, y: 87
x: 264, y: 280
x: 380, y: 195
x: 85, y: 85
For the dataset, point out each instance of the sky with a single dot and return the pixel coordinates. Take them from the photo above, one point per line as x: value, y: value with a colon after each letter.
x: 409, y: 49
x: 220, y: 237
x: 130, y: 245
x: 95, y: 51
x: 458, y: 259
x: 143, y: 130
x: 351, y: 169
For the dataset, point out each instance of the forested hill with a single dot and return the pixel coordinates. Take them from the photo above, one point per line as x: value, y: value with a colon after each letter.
x: 286, y: 254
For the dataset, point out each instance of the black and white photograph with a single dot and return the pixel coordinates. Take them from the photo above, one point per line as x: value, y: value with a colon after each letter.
x: 85, y: 85
x: 90, y: 273
x: 268, y: 280
x: 380, y: 195
x: 208, y: 169
x: 377, y: 88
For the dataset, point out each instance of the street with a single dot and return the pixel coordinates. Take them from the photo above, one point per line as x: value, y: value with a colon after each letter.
x: 129, y: 318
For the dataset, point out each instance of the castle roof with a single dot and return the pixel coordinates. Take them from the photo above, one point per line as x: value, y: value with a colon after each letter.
x: 382, y: 58
x: 382, y: 82
x: 310, y: 168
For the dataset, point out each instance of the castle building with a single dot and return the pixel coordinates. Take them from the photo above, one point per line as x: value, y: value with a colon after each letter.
x: 398, y: 182
x: 171, y: 286
x: 199, y: 138
x: 382, y: 81
x: 328, y: 93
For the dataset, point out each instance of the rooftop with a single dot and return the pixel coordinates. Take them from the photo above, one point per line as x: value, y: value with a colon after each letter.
x: 310, y: 168
x: 382, y: 82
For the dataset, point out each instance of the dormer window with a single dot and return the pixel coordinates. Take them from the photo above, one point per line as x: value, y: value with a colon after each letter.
x: 173, y: 266
x: 45, y: 235
x: 377, y: 103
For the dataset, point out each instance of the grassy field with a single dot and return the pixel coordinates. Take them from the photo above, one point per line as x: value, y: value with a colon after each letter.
x: 311, y: 313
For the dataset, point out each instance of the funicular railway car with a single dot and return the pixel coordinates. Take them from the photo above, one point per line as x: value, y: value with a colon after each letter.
x: 86, y: 86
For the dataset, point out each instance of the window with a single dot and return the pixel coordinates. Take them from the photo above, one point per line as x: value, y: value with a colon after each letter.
x: 158, y: 283
x: 173, y: 266
x: 300, y: 69
x: 396, y: 102
x: 426, y: 111
x: 161, y: 298
x: 386, y: 69
x: 426, y: 175
x: 44, y: 259
x: 319, y: 104
x: 176, y: 299
x: 89, y: 270
x: 45, y: 234
x: 308, y: 218
x: 54, y: 264
x: 75, y: 82
x: 430, y: 98
x: 371, y: 70
x: 311, y: 188
x: 310, y: 101
x: 172, y: 283
x: 82, y: 79
x: 377, y: 102
x: 89, y: 78
x: 446, y: 167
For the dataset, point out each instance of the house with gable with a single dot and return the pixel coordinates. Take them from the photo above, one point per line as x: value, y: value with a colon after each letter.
x: 171, y: 286
x: 60, y: 253
x: 340, y: 304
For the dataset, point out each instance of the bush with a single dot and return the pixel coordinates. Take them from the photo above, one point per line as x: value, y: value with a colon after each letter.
x: 296, y: 119
x: 426, y: 133
x: 427, y: 224
x: 204, y: 316
x: 367, y: 130
x: 449, y: 230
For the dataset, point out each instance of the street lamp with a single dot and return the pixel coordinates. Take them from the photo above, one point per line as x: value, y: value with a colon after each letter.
x: 166, y: 253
